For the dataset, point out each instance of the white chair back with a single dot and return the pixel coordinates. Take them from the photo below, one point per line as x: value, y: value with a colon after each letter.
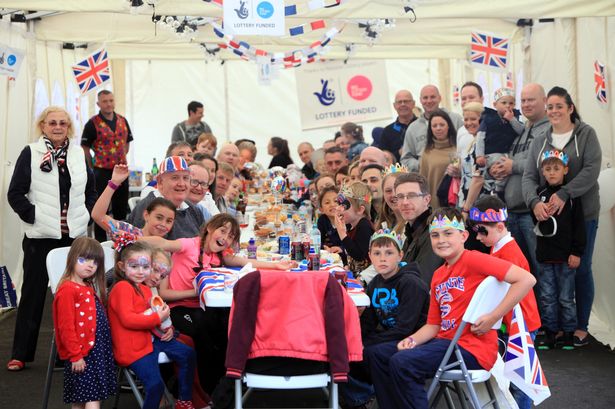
x: 488, y: 295
x: 56, y: 265
x: 132, y: 202
x: 109, y: 257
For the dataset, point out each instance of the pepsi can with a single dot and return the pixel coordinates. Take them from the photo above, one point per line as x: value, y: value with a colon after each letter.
x: 284, y: 245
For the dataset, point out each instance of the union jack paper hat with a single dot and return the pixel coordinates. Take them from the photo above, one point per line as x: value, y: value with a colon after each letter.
x: 554, y: 153
x: 173, y: 164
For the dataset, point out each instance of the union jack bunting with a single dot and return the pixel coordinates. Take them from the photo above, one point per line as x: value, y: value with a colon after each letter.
x: 521, y: 364
x: 489, y: 51
x: 600, y: 82
x: 92, y: 72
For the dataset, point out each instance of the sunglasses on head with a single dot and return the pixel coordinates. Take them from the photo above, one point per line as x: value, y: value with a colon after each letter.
x: 342, y: 201
x: 479, y: 229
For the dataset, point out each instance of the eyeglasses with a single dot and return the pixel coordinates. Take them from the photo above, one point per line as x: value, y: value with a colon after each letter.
x: 196, y: 182
x: 53, y: 124
x: 408, y: 196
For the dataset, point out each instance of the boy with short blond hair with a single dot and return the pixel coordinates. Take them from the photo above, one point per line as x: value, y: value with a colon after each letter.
x: 452, y: 288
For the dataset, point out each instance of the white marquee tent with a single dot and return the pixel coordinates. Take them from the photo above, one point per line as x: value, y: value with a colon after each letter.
x: 156, y: 72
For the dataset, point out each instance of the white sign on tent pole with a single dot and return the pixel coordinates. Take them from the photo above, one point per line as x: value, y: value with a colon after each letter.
x: 10, y: 60
x: 254, y: 17
x: 335, y: 92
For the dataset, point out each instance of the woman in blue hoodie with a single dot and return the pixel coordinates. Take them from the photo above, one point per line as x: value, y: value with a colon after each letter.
x: 579, y: 141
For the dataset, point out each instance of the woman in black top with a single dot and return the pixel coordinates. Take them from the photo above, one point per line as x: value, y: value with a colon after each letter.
x: 278, y: 148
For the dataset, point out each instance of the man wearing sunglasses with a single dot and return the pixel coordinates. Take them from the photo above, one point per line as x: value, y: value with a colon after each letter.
x: 412, y: 196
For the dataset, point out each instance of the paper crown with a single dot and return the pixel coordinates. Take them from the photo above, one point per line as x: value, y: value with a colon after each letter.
x: 347, y: 193
x: 389, y: 234
x: 395, y: 168
x: 173, y: 164
x: 503, y: 92
x: 443, y: 222
x: 554, y: 153
x: 489, y: 215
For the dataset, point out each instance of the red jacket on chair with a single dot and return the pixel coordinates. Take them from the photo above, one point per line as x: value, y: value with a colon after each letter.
x: 295, y: 315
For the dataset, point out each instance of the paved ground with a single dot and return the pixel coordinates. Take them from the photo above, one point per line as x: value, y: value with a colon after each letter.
x: 584, y: 378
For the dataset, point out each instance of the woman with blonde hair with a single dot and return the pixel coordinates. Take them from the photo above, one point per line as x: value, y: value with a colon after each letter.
x: 52, y: 190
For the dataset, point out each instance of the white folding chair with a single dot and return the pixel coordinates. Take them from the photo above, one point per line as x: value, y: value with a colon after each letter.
x: 132, y: 202
x: 488, y: 295
x: 56, y: 264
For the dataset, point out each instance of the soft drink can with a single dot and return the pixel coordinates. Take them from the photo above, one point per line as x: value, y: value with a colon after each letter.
x: 314, y: 262
x: 284, y: 245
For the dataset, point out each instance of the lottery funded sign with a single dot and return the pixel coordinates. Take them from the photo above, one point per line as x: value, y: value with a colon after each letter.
x: 254, y: 17
x: 332, y: 93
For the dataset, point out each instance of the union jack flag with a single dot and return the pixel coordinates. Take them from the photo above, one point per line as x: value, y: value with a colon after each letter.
x: 509, y: 80
x: 521, y: 364
x: 489, y: 51
x: 92, y: 72
x: 600, y: 81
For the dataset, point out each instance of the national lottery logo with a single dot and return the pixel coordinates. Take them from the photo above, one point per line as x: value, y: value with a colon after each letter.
x: 327, y: 95
x: 242, y: 11
x: 264, y: 9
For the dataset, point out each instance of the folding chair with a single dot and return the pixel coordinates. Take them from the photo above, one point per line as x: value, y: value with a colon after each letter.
x: 56, y: 265
x: 486, y: 298
x: 132, y: 202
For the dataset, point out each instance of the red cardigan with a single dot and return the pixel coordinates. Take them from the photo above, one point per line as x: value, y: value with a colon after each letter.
x: 130, y: 328
x: 74, y: 320
x: 296, y: 315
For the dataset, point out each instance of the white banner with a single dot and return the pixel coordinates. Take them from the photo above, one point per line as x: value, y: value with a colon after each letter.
x: 254, y: 17
x: 332, y: 93
x: 10, y: 60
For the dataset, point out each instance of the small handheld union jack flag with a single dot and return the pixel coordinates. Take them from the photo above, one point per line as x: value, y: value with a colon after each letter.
x: 456, y: 94
x: 93, y: 71
x: 488, y: 51
x: 509, y: 80
x: 521, y: 364
x: 600, y: 82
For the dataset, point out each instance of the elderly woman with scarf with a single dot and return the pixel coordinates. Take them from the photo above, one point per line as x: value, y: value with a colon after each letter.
x: 52, y: 190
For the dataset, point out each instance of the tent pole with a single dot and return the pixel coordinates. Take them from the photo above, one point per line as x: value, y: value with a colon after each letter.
x: 226, y: 103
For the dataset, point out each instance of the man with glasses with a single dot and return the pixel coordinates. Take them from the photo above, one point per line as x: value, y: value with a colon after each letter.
x: 108, y: 135
x: 199, y: 187
x: 412, y: 196
x: 174, y: 184
x: 393, y: 134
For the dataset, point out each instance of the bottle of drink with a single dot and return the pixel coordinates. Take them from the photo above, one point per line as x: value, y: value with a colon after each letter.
x: 313, y: 260
x: 154, y: 169
x: 296, y: 249
x: 241, y: 204
x: 315, y: 238
x: 252, y: 249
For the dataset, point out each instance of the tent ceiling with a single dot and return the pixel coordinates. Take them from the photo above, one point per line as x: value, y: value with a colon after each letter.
x: 442, y: 28
x: 357, y: 9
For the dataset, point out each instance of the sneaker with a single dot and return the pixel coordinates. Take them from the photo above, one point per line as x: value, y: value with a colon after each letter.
x: 565, y: 342
x: 578, y: 342
x: 546, y: 342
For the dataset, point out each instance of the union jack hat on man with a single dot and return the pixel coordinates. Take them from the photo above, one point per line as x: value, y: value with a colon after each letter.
x: 173, y: 164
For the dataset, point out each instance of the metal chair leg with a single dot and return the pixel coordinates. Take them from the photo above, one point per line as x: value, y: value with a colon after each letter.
x: 461, y: 395
x: 133, y: 387
x: 449, y: 399
x: 238, y: 394
x: 494, y: 399
x: 333, y: 397
x: 50, y: 365
x: 119, y: 388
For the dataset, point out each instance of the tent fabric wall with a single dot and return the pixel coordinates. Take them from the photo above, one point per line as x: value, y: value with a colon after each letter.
x: 154, y: 81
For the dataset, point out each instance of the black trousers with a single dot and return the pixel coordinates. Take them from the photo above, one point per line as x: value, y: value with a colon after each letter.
x: 209, y: 329
x: 119, y: 201
x: 33, y: 292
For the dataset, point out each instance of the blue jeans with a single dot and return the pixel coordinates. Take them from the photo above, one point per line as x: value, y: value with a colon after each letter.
x: 521, y: 226
x: 356, y: 392
x: 584, y: 280
x: 184, y: 357
x: 556, y: 284
x: 148, y: 372
x: 399, y: 376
